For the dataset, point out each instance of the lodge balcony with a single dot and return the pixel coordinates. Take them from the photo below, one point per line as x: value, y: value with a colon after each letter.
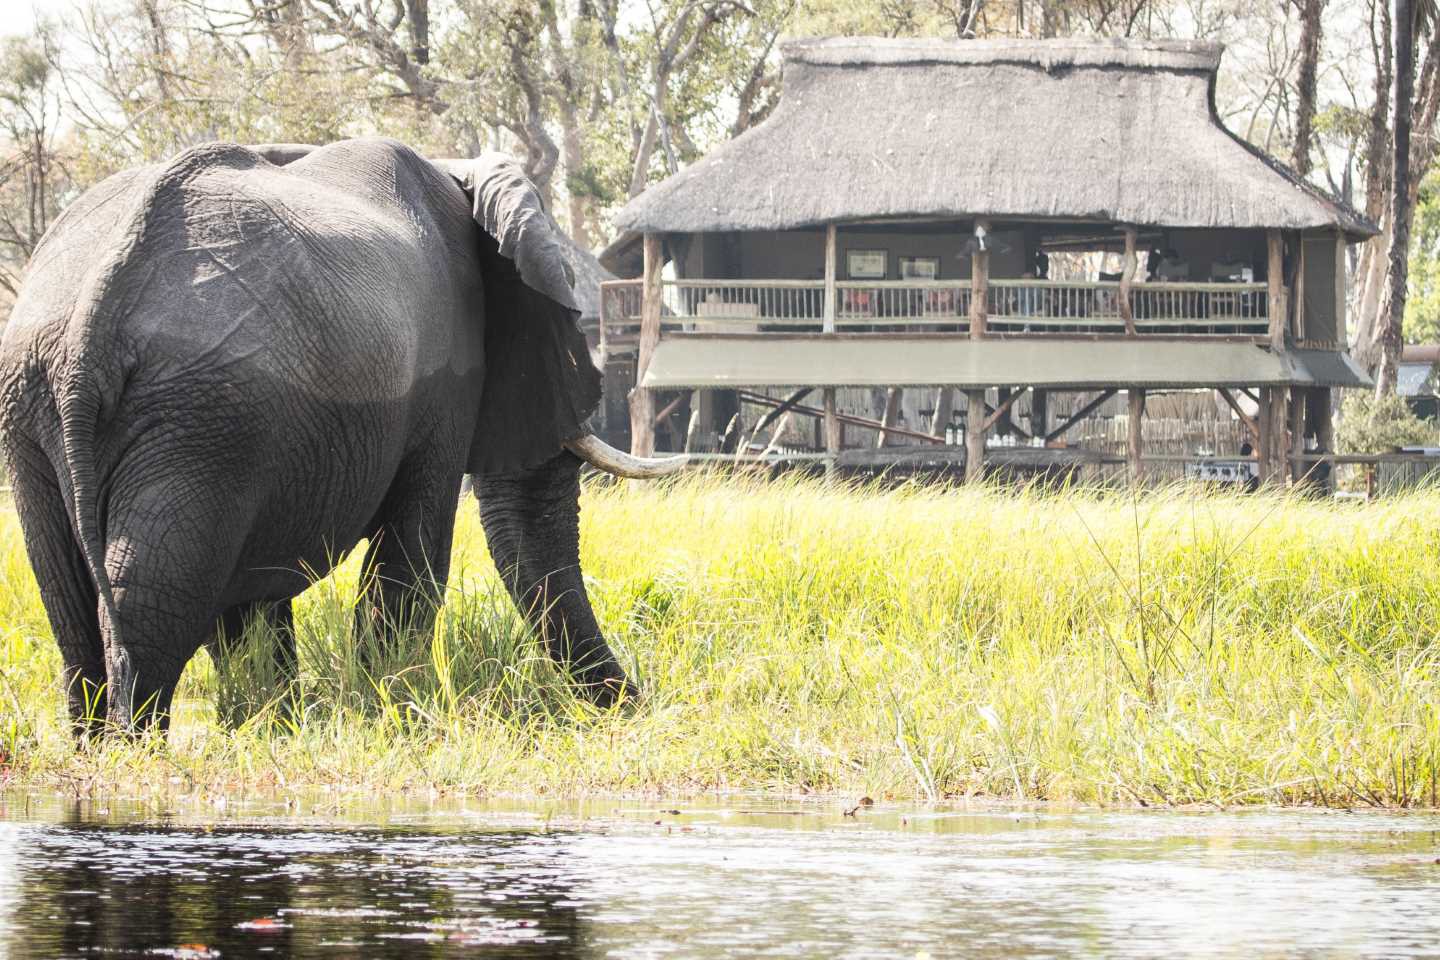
x: 1012, y: 308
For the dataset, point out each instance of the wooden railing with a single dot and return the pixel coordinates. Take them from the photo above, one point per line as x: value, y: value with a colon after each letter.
x: 1013, y: 307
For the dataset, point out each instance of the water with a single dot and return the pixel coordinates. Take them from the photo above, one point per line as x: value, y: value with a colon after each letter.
x: 190, y: 878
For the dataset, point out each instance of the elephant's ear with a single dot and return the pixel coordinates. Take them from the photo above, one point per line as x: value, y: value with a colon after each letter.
x: 540, y: 384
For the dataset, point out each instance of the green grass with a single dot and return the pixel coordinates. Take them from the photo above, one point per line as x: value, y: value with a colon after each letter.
x: 917, y: 643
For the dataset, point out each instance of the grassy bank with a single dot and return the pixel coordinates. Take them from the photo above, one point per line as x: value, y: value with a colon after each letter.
x: 915, y: 644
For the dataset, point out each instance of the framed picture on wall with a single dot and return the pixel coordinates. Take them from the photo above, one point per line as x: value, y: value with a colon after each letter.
x: 919, y: 268
x: 866, y: 264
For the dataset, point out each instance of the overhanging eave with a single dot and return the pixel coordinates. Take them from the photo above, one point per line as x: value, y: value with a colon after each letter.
x: 866, y: 361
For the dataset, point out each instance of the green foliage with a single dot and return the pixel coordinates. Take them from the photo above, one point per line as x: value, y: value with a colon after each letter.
x: 1369, y: 424
x: 1422, y: 306
x: 919, y: 642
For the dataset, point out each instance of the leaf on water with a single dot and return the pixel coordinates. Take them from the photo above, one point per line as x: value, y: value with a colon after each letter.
x: 262, y: 925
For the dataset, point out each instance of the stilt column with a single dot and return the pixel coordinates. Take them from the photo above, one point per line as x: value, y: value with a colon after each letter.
x: 642, y: 400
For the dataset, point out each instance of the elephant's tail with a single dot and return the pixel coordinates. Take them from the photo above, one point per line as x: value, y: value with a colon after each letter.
x: 78, y: 403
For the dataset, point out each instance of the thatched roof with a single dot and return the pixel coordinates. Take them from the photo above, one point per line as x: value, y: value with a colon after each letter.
x: 869, y: 128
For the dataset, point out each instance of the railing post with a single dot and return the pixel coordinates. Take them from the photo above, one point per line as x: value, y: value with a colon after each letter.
x: 829, y: 323
x: 1275, y: 281
x: 979, y: 280
x: 1127, y: 278
x: 642, y: 401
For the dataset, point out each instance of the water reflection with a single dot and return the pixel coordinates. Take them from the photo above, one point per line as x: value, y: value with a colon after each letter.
x: 711, y: 881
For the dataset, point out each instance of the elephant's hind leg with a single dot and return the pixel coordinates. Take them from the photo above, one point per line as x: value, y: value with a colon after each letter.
x: 66, y: 587
x: 168, y: 566
x: 276, y: 674
x: 408, y: 561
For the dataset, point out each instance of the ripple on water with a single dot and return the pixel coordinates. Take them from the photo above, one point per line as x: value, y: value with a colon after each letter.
x: 716, y: 880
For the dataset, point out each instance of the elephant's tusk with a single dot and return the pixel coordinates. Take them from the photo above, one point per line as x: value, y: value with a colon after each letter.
x: 601, y: 455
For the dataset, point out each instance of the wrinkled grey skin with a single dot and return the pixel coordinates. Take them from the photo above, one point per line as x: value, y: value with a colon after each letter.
x: 221, y: 374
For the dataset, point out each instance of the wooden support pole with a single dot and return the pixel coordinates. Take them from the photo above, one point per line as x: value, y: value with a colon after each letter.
x: 1322, y: 425
x: 1297, y: 320
x: 1250, y: 425
x: 888, y: 419
x: 980, y: 282
x: 1079, y: 415
x: 692, y: 431
x: 1134, y: 446
x: 642, y: 400
x: 1340, y: 290
x: 833, y: 437
x: 974, y: 435
x: 944, y: 411
x: 830, y: 261
x: 1275, y: 284
x: 1127, y: 279
x: 1272, y: 449
x: 1039, y: 413
x: 1297, y: 434
x: 1266, y: 423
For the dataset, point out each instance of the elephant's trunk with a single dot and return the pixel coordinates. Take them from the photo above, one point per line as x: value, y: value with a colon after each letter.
x: 532, y: 524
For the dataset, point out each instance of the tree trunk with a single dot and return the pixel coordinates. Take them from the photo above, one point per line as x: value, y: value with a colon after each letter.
x: 1400, y: 203
x: 1310, y: 32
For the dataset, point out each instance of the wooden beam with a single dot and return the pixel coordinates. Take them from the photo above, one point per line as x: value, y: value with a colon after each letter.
x: 1275, y: 284
x: 979, y: 285
x: 642, y: 400
x: 784, y: 406
x: 1127, y: 278
x: 974, y: 435
x: 833, y: 437
x: 1079, y: 415
x: 1135, y: 436
x: 843, y: 418
x: 944, y: 411
x: 1003, y: 407
x: 670, y: 408
x: 1250, y: 424
x: 830, y: 260
x: 779, y: 431
x: 1002, y: 424
x: 887, y: 420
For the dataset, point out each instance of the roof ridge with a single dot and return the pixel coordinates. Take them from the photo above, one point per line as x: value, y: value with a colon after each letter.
x: 1047, y: 53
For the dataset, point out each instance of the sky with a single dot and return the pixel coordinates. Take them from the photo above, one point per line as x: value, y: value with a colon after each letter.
x: 19, y: 15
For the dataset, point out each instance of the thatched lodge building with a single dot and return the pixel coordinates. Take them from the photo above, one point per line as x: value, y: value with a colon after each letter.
x: 966, y: 223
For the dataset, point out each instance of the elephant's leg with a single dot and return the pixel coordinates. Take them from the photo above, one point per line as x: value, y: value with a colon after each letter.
x: 408, y: 560
x: 169, y: 558
x: 278, y: 616
x: 532, y: 525
x: 66, y: 587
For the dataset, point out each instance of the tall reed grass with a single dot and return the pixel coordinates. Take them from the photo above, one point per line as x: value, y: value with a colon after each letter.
x: 802, y: 636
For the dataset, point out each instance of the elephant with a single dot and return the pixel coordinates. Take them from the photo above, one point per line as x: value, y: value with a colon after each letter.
x: 224, y: 371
